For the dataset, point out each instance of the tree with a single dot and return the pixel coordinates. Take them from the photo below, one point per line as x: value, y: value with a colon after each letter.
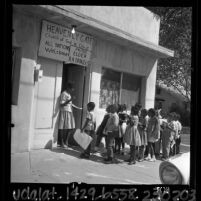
x: 175, y: 34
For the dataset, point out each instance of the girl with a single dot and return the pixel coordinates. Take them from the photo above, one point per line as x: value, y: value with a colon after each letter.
x: 142, y: 127
x: 89, y: 127
x: 66, y: 118
x: 153, y: 133
x: 132, y: 136
x: 123, y: 116
x: 167, y: 135
x: 111, y: 130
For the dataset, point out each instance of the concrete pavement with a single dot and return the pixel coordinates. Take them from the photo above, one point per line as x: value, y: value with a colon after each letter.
x: 64, y: 166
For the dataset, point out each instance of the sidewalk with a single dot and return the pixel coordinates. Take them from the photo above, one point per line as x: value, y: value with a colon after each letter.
x: 65, y: 166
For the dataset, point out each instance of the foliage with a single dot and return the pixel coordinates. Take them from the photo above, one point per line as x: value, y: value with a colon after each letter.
x: 175, y: 34
x: 184, y: 114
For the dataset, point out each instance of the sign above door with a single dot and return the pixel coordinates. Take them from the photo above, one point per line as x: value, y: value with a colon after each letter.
x: 57, y: 42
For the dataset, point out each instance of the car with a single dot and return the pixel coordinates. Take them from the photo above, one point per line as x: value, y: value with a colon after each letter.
x: 175, y: 170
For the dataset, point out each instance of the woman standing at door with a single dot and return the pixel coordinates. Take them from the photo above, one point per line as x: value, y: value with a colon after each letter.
x: 66, y: 118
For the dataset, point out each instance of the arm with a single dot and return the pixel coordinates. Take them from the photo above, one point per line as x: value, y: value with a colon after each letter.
x: 85, y: 124
x: 76, y: 107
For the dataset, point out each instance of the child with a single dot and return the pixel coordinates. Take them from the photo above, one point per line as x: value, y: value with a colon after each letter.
x: 89, y: 127
x: 178, y: 137
x: 142, y: 128
x: 132, y: 136
x: 111, y: 130
x: 153, y: 133
x: 119, y: 143
x: 157, y: 145
x: 101, y: 128
x: 167, y: 136
x: 66, y: 118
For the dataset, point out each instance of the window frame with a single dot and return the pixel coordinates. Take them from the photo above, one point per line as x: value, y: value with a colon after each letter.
x: 121, y: 82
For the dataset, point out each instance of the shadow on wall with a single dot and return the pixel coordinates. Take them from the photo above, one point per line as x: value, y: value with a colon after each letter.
x: 48, y: 145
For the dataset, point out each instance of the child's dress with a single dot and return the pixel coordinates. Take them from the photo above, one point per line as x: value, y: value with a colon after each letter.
x: 142, y: 130
x: 132, y: 136
x: 66, y: 118
x: 153, y: 129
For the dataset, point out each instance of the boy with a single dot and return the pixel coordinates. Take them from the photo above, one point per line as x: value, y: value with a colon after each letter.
x: 89, y: 127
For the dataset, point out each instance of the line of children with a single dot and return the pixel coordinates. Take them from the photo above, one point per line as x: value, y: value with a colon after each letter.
x: 140, y: 130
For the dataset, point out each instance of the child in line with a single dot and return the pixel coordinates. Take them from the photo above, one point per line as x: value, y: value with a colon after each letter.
x: 119, y: 143
x: 153, y: 133
x: 167, y: 135
x: 101, y: 128
x: 132, y: 136
x: 111, y: 130
x: 142, y: 128
x: 89, y: 127
x: 158, y: 144
x: 178, y: 137
x: 66, y: 117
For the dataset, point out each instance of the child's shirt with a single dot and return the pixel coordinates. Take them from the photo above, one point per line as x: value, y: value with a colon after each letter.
x: 112, y: 123
x: 179, y: 126
x: 63, y: 98
x: 133, y: 120
x: 170, y: 130
x: 122, y: 117
x: 91, y: 121
x: 153, y: 127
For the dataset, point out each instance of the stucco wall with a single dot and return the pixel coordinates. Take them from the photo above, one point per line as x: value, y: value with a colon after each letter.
x: 137, y: 21
x: 105, y: 54
x: 109, y: 55
x: 26, y: 35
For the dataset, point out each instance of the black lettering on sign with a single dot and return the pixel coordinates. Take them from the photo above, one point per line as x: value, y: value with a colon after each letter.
x: 48, y: 43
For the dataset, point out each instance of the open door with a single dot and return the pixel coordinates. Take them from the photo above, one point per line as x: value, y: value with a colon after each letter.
x: 76, y: 75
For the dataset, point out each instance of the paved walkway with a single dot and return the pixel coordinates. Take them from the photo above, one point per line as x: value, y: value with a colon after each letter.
x: 64, y: 166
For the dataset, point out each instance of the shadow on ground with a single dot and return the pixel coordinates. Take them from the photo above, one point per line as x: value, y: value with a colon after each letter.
x: 76, y: 151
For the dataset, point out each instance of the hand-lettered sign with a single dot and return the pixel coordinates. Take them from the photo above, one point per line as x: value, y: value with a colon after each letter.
x: 57, y: 42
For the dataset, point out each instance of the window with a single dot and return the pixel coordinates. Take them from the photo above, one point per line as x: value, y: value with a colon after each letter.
x: 16, y: 63
x: 110, y: 87
x: 130, y: 92
x: 119, y: 88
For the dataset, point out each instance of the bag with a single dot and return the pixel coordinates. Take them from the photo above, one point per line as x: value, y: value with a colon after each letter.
x: 82, y: 138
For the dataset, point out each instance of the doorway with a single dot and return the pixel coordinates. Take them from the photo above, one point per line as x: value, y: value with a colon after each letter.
x: 75, y: 74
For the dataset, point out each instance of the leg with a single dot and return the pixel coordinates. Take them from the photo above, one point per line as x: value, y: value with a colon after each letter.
x: 178, y: 141
x: 68, y: 133
x: 110, y: 142
x: 132, y: 158
x: 118, y: 144
x: 141, y: 153
x: 98, y: 140
x: 59, y: 140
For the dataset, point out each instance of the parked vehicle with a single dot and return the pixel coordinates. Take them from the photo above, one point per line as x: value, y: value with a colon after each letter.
x: 176, y: 170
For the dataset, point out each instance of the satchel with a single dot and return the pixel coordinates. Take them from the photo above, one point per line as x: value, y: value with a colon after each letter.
x: 82, y: 138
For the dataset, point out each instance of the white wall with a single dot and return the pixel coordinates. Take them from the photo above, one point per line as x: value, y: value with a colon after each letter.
x: 110, y: 55
x: 26, y: 36
x: 137, y: 21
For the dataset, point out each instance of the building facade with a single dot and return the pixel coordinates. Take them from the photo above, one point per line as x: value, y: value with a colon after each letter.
x: 111, y: 58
